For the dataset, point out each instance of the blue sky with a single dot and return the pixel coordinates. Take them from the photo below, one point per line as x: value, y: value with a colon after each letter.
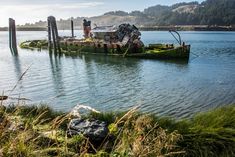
x: 29, y: 11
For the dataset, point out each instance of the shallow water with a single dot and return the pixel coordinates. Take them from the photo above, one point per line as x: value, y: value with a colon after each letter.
x: 170, y: 88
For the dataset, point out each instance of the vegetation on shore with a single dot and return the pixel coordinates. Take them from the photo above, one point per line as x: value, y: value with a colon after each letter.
x: 40, y: 131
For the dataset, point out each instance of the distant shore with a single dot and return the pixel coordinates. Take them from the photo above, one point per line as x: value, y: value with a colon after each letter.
x: 147, y: 28
x: 188, y: 28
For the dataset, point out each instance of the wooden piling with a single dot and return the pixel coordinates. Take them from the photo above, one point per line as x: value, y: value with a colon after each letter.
x: 57, y: 36
x: 49, y: 35
x: 72, y: 28
x: 53, y: 37
x: 12, y: 37
x: 53, y: 33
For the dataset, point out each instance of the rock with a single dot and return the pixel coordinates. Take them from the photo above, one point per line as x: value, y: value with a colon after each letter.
x: 95, y: 130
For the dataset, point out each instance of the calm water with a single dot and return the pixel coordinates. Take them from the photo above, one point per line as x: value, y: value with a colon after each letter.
x: 169, y: 88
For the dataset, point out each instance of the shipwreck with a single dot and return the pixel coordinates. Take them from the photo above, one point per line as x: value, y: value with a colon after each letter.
x: 123, y: 40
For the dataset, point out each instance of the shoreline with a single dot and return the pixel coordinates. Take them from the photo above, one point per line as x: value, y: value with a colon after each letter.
x: 147, y: 28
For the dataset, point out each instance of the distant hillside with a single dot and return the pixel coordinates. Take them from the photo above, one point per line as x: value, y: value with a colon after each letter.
x: 209, y: 12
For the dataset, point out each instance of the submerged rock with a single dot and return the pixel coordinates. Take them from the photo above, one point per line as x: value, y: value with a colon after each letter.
x: 95, y: 130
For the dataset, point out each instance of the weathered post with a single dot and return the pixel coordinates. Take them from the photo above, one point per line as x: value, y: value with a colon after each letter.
x: 57, y: 35
x: 53, y: 33
x: 12, y: 37
x: 54, y: 38
x: 72, y: 28
x: 49, y: 35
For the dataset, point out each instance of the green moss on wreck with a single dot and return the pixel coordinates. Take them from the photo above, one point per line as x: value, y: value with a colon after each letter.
x: 153, y: 51
x: 71, y: 49
x: 34, y: 44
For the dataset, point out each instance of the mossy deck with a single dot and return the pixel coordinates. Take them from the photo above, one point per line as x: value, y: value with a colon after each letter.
x: 154, y: 51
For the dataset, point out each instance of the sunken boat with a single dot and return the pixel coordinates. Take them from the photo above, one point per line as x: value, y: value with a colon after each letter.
x: 123, y: 40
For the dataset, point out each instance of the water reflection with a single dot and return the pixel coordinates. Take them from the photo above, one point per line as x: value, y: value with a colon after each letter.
x: 180, y: 63
x: 17, y: 66
x: 109, y: 81
x: 104, y: 80
x: 56, y: 71
x: 18, y: 74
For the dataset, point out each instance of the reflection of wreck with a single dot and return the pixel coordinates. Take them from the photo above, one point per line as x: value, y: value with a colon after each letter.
x: 123, y: 40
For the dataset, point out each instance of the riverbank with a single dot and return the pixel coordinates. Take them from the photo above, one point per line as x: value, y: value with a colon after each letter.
x: 33, y: 131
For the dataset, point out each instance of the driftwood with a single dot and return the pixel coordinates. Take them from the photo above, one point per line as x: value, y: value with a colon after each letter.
x: 3, y: 98
x: 13, y: 98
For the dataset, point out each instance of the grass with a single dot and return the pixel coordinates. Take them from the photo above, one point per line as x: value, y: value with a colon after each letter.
x: 40, y: 131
